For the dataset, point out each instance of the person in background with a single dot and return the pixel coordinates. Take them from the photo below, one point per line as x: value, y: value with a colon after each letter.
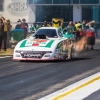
x: 70, y: 29
x: 83, y: 29
x: 24, y: 26
x: 48, y: 24
x: 90, y: 33
x: 44, y: 24
x: 18, y: 26
x: 1, y: 32
x: 93, y: 26
x: 78, y: 29
x: 75, y: 23
x: 9, y: 28
x: 61, y: 27
x: 74, y: 31
x: 36, y: 26
x: 29, y: 28
x: 5, y: 33
x: 33, y: 28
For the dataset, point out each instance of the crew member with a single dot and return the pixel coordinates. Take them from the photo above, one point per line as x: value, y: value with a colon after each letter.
x: 78, y: 28
x: 61, y: 27
x: 34, y: 28
x: 5, y: 34
x: 24, y: 27
x: 83, y: 29
x: 71, y: 38
x: 18, y: 26
x: 91, y: 33
x: 1, y: 32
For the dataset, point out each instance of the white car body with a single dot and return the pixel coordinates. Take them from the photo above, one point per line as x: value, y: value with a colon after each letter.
x: 50, y: 48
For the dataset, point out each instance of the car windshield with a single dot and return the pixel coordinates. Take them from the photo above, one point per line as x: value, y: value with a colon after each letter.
x: 51, y: 33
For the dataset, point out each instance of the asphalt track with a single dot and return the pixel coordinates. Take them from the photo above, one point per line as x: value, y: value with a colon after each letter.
x: 21, y: 80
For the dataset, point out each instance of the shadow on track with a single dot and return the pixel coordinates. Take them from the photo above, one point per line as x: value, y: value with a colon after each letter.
x: 58, y: 61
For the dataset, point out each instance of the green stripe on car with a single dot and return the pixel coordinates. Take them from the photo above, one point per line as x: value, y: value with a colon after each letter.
x: 23, y: 43
x: 49, y: 44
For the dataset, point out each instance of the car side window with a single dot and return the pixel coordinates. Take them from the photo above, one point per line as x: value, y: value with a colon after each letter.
x: 60, y: 33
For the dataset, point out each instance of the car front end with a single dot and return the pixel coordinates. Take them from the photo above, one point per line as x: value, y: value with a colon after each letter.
x: 33, y: 54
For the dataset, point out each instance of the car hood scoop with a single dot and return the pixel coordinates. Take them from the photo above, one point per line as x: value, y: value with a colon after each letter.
x: 41, y: 36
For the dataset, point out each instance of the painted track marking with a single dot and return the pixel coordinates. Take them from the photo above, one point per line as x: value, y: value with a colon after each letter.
x: 77, y: 88
x: 60, y: 94
x: 5, y: 57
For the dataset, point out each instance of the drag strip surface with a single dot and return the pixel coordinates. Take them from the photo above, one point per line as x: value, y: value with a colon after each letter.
x: 25, y: 80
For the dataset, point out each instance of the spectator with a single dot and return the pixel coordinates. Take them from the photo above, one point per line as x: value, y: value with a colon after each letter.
x: 5, y: 33
x: 45, y: 24
x: 48, y: 24
x: 18, y: 26
x: 24, y: 26
x: 1, y: 32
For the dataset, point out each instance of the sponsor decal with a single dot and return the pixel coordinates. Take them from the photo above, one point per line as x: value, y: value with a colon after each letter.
x: 18, y: 7
x: 32, y: 55
x: 38, y: 43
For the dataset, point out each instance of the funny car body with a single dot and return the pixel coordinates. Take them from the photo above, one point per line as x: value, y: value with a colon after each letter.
x: 47, y: 43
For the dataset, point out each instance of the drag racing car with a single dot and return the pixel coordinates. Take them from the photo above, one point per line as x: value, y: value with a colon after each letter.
x: 47, y: 43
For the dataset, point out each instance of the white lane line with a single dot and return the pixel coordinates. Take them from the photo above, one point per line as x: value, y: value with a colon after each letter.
x: 4, y: 57
x: 84, y: 92
x: 59, y: 95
